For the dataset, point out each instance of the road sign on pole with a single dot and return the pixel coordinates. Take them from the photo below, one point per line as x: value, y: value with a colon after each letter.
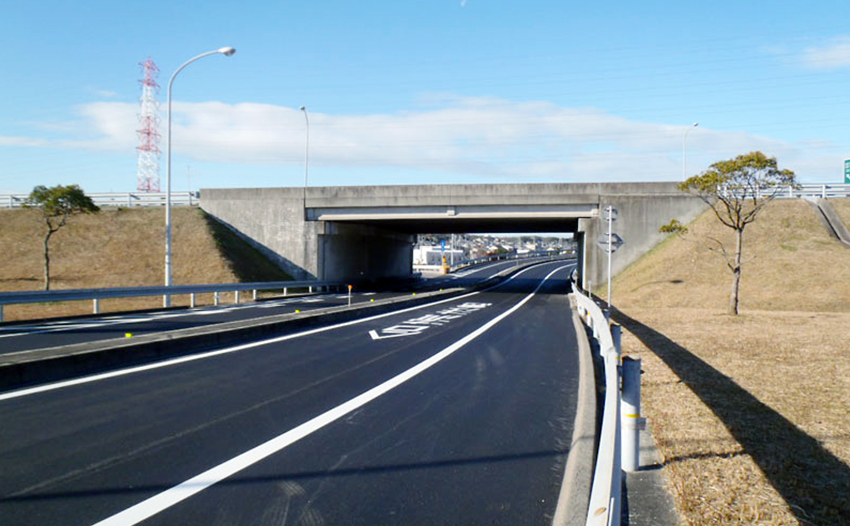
x: 610, y: 242
x: 847, y: 171
x: 616, y: 242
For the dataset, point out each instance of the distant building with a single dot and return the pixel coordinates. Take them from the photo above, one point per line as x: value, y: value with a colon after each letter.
x: 430, y: 255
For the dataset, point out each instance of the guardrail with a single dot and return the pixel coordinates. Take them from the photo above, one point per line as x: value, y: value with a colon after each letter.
x: 12, y: 298
x: 495, y: 257
x: 128, y: 199
x: 804, y: 191
x: 606, y: 492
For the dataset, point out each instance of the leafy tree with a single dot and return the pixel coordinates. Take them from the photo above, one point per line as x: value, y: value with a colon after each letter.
x: 57, y: 204
x: 736, y: 190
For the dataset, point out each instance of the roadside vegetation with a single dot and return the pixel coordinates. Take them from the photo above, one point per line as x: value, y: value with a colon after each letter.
x: 749, y: 411
x: 123, y: 247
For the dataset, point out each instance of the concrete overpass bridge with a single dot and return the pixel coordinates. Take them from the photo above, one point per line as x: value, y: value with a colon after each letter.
x: 367, y: 232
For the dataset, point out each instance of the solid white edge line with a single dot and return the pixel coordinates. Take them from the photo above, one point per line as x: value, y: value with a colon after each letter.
x: 175, y: 361
x: 162, y: 501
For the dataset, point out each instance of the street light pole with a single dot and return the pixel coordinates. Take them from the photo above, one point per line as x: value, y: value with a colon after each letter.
x: 684, y: 152
x: 306, y: 157
x: 226, y: 51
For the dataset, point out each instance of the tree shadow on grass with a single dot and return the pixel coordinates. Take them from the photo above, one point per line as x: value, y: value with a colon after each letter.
x: 814, y: 482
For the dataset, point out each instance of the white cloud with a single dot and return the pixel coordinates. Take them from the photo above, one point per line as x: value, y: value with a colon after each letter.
x: 834, y: 55
x: 6, y: 140
x: 473, y: 137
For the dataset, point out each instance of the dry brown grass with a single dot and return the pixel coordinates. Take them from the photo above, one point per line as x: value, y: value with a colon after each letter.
x: 749, y: 411
x: 842, y: 206
x: 118, y: 247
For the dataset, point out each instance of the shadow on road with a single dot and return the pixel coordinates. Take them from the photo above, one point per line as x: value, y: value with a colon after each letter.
x: 813, y: 481
x: 238, y: 480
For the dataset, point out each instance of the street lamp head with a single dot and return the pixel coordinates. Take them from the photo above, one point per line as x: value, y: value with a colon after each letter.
x: 303, y: 108
x: 696, y: 124
x: 227, y: 51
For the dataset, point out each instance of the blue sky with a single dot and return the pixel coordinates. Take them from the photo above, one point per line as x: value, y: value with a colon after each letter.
x: 436, y: 91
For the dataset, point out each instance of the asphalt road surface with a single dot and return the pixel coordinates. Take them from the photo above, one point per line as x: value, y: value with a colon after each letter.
x: 41, y: 334
x: 456, y: 412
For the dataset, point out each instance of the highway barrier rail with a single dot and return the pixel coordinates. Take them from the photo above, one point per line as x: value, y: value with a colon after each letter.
x: 128, y: 199
x: 11, y: 298
x: 606, y: 491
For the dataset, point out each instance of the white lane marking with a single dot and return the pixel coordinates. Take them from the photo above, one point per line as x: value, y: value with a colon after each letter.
x: 184, y: 359
x: 168, y: 498
x: 167, y: 363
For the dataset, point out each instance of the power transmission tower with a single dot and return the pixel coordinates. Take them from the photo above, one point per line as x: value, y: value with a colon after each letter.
x: 148, y: 171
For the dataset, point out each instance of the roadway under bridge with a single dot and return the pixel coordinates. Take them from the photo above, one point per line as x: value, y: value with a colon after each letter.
x: 367, y: 232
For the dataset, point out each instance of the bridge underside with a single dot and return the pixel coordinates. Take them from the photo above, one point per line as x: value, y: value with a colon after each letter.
x: 460, y: 219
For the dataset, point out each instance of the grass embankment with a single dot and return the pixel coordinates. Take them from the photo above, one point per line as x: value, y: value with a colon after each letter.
x: 122, y: 247
x: 749, y: 412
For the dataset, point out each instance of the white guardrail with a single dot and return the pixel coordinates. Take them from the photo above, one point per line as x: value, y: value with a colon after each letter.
x: 13, y: 298
x: 128, y: 199
x: 495, y: 257
x: 605, y: 495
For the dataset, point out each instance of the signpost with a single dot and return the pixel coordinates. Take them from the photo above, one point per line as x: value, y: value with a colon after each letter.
x: 610, y: 242
x: 847, y: 171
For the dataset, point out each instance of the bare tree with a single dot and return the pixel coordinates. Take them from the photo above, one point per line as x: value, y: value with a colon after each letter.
x: 57, y: 204
x: 736, y: 190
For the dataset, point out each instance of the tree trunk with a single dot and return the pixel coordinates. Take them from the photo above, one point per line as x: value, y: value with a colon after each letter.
x: 47, y: 261
x: 736, y: 272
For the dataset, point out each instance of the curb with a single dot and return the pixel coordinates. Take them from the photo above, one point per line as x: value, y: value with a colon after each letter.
x: 574, y: 497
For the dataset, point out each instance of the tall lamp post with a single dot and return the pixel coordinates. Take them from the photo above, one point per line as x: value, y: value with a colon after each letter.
x: 226, y: 51
x: 684, y: 152
x: 306, y: 157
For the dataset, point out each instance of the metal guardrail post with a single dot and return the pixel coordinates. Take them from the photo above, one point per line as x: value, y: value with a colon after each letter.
x: 215, y: 298
x: 284, y: 292
x: 96, y: 306
x: 254, y: 295
x: 236, y: 297
x: 632, y: 422
x: 192, y: 300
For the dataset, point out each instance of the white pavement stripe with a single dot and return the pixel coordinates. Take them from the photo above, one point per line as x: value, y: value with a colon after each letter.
x: 190, y: 358
x: 194, y: 485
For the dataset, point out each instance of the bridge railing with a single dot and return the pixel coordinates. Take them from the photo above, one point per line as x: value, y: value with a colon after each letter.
x: 824, y: 191
x: 95, y: 295
x: 606, y: 491
x: 128, y: 199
